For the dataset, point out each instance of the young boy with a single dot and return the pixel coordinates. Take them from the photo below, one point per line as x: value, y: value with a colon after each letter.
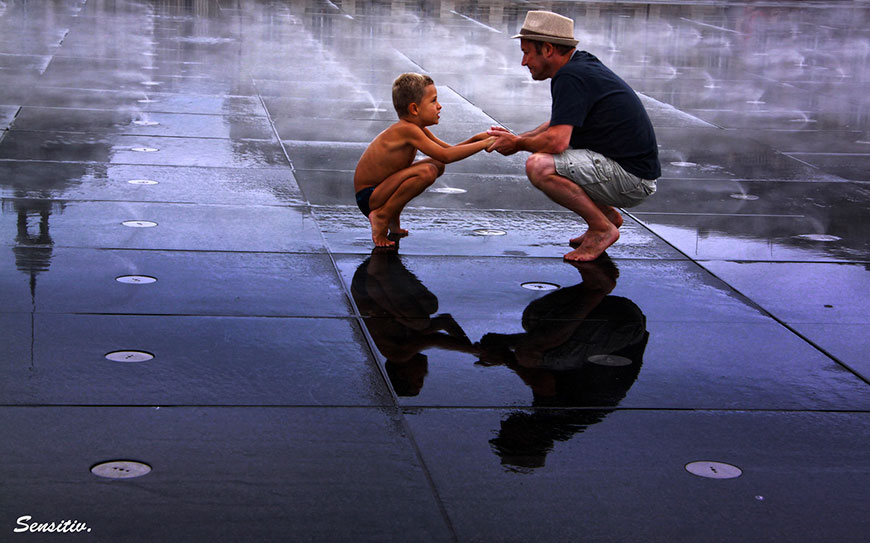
x: 386, y: 177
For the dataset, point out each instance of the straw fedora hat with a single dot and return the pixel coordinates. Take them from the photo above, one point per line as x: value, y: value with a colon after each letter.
x: 548, y: 26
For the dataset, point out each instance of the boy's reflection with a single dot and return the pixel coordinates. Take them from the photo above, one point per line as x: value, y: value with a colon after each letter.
x: 581, y: 348
x: 397, y: 310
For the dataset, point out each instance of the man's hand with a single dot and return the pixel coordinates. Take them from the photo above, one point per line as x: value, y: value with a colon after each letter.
x: 505, y: 141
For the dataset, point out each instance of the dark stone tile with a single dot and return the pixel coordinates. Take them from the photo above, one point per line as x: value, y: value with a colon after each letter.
x: 463, y: 232
x: 759, y: 220
x: 708, y: 237
x: 535, y: 471
x: 64, y: 67
x: 57, y: 280
x: 812, y: 141
x: 510, y: 348
x: 491, y: 288
x: 15, y: 92
x: 295, y: 470
x: 130, y: 57
x: 144, y: 100
x: 248, y: 361
x: 359, y: 108
x: 7, y: 113
x: 12, y: 66
x: 678, y: 366
x: 799, y: 292
x: 178, y: 226
x: 759, y: 116
x: 695, y: 153
x: 175, y: 184
x: 119, y: 149
x: 854, y: 166
x: 141, y: 123
x: 848, y: 343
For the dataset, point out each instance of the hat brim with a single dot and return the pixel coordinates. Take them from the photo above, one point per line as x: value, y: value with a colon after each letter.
x: 548, y: 39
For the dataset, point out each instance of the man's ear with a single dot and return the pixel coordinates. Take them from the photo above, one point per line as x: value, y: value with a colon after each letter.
x: 547, y: 49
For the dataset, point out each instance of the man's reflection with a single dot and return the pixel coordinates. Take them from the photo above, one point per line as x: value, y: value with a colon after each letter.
x: 398, y: 313
x: 581, y: 347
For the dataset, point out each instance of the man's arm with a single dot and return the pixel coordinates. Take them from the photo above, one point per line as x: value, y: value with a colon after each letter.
x: 544, y: 139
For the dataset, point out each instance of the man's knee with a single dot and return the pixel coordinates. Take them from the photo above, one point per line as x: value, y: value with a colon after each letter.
x: 539, y: 166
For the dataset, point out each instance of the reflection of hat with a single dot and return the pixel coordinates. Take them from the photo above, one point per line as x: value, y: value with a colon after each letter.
x: 548, y: 26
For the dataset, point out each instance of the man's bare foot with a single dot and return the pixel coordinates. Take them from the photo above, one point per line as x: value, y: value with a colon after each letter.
x: 593, y: 245
x: 379, y: 230
x: 576, y: 242
x: 612, y: 215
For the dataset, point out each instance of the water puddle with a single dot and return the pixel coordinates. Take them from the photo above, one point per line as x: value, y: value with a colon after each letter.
x: 136, y: 279
x: 139, y: 224
x: 129, y: 356
x: 713, y: 470
x: 818, y: 237
x: 540, y: 285
x: 610, y: 360
x: 488, y: 232
x: 741, y: 196
x: 121, y: 469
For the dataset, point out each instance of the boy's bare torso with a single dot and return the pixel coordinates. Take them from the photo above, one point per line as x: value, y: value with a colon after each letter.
x: 388, y: 153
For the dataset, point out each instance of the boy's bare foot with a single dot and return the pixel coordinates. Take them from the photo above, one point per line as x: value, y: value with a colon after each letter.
x: 395, y: 229
x: 612, y: 215
x: 379, y: 230
x: 594, y: 243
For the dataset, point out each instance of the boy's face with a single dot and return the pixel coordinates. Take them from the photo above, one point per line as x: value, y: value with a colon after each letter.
x: 428, y: 110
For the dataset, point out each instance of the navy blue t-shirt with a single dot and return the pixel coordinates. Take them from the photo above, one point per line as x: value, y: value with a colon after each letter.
x: 606, y: 113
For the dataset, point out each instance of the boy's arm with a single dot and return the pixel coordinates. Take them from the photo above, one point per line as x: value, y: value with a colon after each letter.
x: 451, y: 153
x: 432, y: 137
x: 474, y: 138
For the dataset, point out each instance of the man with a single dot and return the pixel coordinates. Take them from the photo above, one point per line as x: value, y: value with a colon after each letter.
x: 598, y: 151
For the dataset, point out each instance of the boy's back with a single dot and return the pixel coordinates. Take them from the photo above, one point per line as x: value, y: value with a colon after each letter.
x: 389, y: 152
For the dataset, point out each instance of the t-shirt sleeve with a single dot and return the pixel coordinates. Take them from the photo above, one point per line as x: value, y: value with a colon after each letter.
x: 570, y: 101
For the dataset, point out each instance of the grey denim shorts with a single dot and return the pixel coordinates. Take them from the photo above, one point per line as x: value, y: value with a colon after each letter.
x: 603, y: 179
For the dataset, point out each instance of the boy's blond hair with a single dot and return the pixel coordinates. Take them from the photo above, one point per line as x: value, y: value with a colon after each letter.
x: 408, y: 89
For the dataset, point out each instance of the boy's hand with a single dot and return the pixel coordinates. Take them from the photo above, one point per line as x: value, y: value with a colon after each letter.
x: 490, y: 142
x: 505, y: 141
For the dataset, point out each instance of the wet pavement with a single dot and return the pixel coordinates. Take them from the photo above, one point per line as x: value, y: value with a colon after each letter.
x: 188, y: 284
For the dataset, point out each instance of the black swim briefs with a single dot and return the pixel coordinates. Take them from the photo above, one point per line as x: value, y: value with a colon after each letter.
x: 362, y: 200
